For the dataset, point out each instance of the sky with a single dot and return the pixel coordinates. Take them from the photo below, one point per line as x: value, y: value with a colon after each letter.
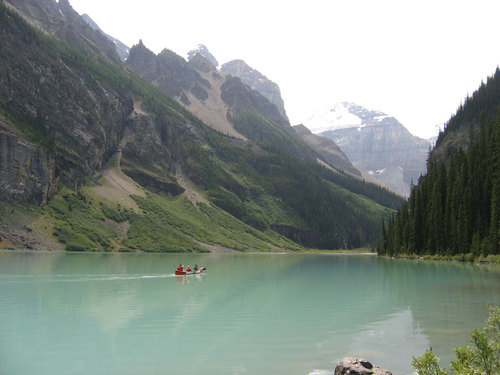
x: 414, y: 60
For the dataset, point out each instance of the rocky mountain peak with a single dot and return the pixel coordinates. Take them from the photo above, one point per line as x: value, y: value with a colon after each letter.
x: 141, y: 57
x: 64, y: 5
x: 203, y: 51
x: 257, y: 81
x: 200, y: 63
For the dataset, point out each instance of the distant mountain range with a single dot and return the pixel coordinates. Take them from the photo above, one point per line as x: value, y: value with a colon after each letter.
x: 374, y: 142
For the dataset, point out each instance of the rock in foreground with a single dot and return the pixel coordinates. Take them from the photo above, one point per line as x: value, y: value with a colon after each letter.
x: 358, y: 366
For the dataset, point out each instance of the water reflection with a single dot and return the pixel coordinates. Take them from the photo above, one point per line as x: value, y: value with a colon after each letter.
x: 186, y: 279
x: 393, y: 342
x: 114, y: 311
x: 250, y: 314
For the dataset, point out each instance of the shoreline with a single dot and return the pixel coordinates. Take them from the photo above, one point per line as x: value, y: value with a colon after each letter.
x: 464, y: 258
x: 289, y: 252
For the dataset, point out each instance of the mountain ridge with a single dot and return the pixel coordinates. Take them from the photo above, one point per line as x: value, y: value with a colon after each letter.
x: 82, y: 112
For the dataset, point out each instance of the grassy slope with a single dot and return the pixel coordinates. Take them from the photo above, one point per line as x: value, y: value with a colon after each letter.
x: 87, y: 220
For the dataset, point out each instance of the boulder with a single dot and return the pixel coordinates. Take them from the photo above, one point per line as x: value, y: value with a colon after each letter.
x: 358, y: 366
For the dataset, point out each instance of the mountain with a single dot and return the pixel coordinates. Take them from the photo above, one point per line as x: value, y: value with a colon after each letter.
x: 122, y: 50
x: 93, y: 157
x: 466, y: 122
x: 63, y: 22
x: 374, y: 142
x: 257, y: 81
x: 222, y: 101
x: 453, y: 212
x: 203, y: 51
x: 328, y: 149
x: 196, y: 84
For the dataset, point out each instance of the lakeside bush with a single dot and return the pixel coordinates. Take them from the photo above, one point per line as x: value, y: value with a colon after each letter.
x: 481, y: 356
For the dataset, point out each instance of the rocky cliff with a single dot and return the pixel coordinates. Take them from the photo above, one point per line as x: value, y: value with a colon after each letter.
x: 62, y: 21
x: 121, y: 49
x: 169, y: 72
x: 257, y: 81
x: 215, y: 97
x: 59, y: 107
x: 27, y: 173
x: 330, y: 151
x: 205, y: 53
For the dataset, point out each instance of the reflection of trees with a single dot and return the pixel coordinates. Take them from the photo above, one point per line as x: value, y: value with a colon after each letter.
x: 447, y: 299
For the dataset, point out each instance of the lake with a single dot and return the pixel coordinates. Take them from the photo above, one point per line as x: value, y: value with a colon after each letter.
x: 71, y: 313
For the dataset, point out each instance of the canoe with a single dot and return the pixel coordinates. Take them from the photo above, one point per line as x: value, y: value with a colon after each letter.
x: 192, y: 272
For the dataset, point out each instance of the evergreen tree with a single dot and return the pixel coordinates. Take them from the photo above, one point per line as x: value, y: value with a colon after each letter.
x: 455, y: 208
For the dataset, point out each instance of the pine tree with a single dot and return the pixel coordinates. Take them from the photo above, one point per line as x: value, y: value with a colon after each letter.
x: 455, y: 208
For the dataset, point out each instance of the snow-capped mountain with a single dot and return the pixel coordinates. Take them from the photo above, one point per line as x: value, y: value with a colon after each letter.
x: 344, y: 115
x: 374, y: 142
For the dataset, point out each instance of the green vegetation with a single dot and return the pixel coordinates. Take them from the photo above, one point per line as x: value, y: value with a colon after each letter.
x: 83, y: 221
x: 313, y: 205
x: 482, y: 356
x: 176, y: 224
x: 454, y: 211
x: 78, y: 223
x: 260, y: 190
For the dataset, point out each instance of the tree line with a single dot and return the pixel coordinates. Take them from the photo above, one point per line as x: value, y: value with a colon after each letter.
x: 454, y: 211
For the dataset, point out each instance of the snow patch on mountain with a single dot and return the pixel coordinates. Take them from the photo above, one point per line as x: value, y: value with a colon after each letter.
x: 343, y: 116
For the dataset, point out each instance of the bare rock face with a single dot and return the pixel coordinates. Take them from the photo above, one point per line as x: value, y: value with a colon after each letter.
x: 358, y: 366
x: 374, y: 142
x: 204, y: 52
x: 328, y: 149
x: 27, y: 174
x: 57, y: 119
x: 257, y: 81
x: 169, y: 72
x: 62, y: 21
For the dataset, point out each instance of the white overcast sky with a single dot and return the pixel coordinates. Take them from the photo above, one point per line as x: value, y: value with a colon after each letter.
x: 414, y: 60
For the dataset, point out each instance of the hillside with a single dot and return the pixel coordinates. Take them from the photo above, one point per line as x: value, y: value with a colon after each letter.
x: 486, y: 101
x: 454, y: 209
x: 95, y: 158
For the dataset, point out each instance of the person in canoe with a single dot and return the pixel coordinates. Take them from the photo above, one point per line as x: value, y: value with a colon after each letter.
x: 188, y: 269
x: 195, y: 268
x: 180, y: 268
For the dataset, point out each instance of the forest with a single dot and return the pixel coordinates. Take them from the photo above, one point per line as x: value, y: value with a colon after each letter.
x: 454, y: 210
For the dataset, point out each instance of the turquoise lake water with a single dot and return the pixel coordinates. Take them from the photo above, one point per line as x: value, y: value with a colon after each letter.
x: 64, y: 313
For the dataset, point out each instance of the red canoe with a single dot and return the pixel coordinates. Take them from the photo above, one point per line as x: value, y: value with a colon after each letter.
x: 192, y: 272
